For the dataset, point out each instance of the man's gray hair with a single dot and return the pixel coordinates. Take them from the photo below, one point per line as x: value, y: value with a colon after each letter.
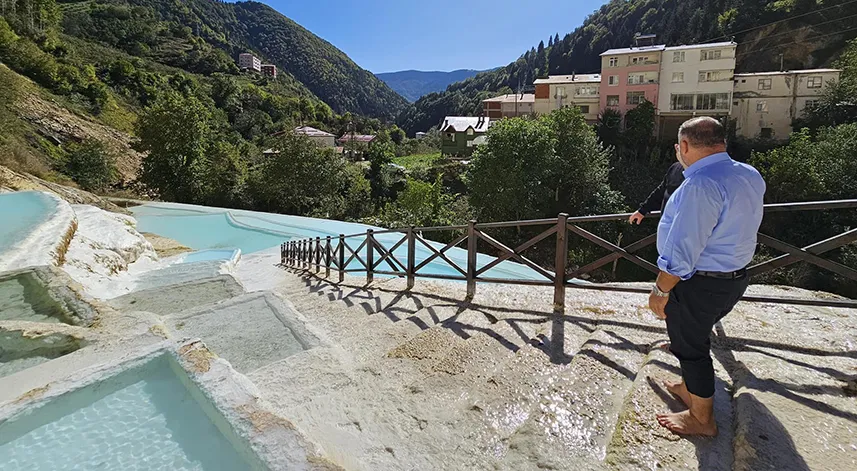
x: 703, y: 132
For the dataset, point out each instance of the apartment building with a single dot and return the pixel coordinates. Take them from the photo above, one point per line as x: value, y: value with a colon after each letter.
x: 766, y: 103
x: 247, y: 61
x: 507, y: 106
x: 269, y: 70
x: 696, y: 80
x: 560, y: 91
x: 630, y: 76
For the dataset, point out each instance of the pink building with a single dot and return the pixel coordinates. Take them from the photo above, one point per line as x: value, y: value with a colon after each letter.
x: 629, y: 76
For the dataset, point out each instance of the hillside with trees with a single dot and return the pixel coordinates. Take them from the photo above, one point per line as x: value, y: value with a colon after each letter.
x: 206, y: 36
x: 808, y: 33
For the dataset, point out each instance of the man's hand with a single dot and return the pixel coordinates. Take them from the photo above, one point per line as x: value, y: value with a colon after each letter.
x: 658, y: 305
x: 636, y: 218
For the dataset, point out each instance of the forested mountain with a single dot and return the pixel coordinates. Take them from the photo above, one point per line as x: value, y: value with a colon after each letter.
x: 206, y: 36
x: 809, y: 33
x: 413, y: 84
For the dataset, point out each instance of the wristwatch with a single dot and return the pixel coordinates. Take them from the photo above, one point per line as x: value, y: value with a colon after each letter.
x: 657, y: 292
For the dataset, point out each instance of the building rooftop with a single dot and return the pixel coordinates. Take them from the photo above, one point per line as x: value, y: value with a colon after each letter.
x: 580, y: 78
x: 789, y: 72
x: 357, y: 137
x: 520, y: 98
x: 701, y: 46
x: 634, y: 50
x: 461, y: 123
x: 312, y: 132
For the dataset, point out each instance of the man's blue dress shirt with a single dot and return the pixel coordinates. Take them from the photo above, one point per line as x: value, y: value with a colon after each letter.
x: 710, y: 222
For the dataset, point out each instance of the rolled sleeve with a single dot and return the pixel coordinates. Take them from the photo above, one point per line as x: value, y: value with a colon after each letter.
x: 698, y: 210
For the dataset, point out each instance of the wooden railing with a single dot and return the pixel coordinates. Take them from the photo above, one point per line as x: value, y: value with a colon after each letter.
x: 336, y: 253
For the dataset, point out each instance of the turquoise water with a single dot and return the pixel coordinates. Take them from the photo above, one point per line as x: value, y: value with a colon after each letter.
x: 21, y: 212
x: 211, y: 228
x: 141, y: 419
x: 211, y: 255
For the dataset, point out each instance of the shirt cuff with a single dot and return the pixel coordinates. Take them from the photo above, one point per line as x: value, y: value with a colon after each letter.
x: 685, y: 273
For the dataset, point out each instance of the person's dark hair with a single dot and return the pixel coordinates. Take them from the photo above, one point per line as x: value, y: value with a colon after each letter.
x: 703, y: 132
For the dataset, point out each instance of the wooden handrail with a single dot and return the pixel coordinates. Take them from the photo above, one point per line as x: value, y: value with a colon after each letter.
x: 306, y: 253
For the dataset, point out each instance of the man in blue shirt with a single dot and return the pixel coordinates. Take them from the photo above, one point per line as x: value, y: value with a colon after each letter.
x: 706, y: 239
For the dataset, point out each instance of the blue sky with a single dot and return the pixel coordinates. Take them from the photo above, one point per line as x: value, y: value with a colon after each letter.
x: 392, y: 35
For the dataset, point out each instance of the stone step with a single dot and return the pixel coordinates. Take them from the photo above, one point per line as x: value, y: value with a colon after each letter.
x: 574, y: 417
x: 799, y: 413
x: 640, y: 443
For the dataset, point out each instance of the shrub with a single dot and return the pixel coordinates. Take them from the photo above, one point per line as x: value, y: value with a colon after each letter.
x: 91, y: 165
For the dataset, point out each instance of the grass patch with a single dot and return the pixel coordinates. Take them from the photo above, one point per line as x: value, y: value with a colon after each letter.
x: 415, y: 161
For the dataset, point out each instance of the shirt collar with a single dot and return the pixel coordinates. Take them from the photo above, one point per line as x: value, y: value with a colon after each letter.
x: 705, y: 162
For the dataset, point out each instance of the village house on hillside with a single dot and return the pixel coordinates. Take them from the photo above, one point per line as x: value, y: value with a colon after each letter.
x: 461, y: 134
x: 561, y: 91
x: 509, y: 106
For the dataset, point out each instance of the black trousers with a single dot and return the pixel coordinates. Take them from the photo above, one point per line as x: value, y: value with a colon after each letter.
x: 694, y: 307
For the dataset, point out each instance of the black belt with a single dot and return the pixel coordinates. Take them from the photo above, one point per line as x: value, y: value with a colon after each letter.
x: 724, y: 276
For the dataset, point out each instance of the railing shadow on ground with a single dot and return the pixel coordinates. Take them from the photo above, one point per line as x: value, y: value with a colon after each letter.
x: 376, y: 257
x: 554, y: 345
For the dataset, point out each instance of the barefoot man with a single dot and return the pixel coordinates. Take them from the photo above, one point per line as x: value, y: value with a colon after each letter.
x: 706, y: 238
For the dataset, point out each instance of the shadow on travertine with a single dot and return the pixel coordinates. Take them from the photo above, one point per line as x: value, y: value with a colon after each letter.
x: 513, y: 387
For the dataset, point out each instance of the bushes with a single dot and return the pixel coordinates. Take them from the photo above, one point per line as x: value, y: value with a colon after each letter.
x: 91, y: 165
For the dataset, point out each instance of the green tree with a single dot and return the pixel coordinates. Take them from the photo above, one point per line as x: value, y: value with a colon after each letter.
x: 639, y: 129
x: 397, y: 135
x: 300, y: 178
x: 609, y: 127
x: 175, y: 133
x: 225, y: 175
x: 91, y: 165
x: 532, y: 169
x: 385, y: 179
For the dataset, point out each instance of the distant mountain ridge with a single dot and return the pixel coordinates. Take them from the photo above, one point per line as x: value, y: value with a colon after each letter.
x: 414, y: 84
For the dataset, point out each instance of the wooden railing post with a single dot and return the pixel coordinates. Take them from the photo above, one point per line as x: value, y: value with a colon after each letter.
x: 341, y: 256
x: 561, y: 263
x: 304, y: 254
x: 317, y: 254
x: 412, y: 248
x: 471, y: 259
x: 370, y: 256
x: 327, y: 257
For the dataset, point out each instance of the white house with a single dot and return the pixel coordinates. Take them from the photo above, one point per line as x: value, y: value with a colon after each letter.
x: 766, y: 103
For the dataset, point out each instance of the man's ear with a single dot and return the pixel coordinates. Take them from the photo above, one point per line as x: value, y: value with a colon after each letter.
x: 685, y: 147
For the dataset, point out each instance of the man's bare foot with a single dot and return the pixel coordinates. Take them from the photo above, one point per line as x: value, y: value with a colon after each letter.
x: 679, y: 389
x: 684, y: 423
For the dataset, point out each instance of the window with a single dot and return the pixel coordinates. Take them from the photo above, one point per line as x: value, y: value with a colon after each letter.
x: 635, y: 98
x: 678, y: 56
x: 678, y: 77
x: 636, y: 79
x: 469, y: 131
x: 450, y: 136
x: 765, y: 84
x: 761, y: 106
x: 639, y: 60
x: 612, y: 100
x: 614, y: 62
x: 560, y: 92
x: 810, y: 104
x: 766, y: 133
x: 711, y: 76
x: 712, y: 101
x: 613, y: 80
x: 681, y: 102
x: 711, y: 55
x: 470, y: 144
x: 814, y: 82
x: 584, y: 109
x: 587, y: 91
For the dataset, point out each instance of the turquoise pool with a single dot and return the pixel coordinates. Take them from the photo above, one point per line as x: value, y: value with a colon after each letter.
x: 211, y: 228
x: 222, y: 255
x: 144, y: 418
x: 21, y: 213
